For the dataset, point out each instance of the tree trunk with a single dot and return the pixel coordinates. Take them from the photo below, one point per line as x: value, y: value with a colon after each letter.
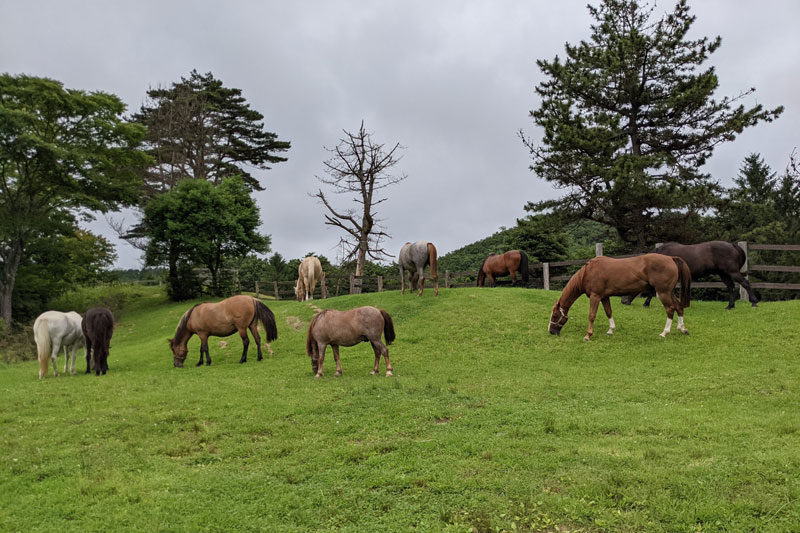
x: 9, y: 280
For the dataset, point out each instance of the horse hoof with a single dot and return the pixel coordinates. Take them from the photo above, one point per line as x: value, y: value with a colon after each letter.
x: 586, y: 339
x: 755, y: 305
x: 373, y: 373
x: 685, y: 331
x: 337, y: 374
x: 662, y: 335
x: 610, y: 332
x: 389, y: 374
x: 242, y: 361
x: 317, y: 376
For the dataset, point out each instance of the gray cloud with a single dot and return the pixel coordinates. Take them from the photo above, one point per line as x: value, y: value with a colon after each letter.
x: 451, y: 81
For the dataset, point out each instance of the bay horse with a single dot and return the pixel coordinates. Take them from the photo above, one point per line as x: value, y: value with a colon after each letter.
x: 97, y: 326
x: 308, y: 273
x: 414, y: 257
x: 348, y: 328
x: 713, y: 257
x: 237, y: 313
x: 51, y: 331
x: 510, y: 262
x: 602, y: 277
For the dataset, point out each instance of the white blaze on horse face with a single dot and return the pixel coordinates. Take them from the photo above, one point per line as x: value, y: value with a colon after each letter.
x: 667, y: 327
x: 611, y: 326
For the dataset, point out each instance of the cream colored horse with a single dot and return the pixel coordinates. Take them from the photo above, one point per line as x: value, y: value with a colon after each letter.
x: 309, y: 272
x: 54, y: 330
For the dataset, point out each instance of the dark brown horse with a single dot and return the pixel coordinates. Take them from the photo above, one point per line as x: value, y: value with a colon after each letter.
x: 348, y: 328
x: 714, y: 257
x: 602, y: 277
x: 97, y: 326
x: 510, y: 262
x: 237, y: 313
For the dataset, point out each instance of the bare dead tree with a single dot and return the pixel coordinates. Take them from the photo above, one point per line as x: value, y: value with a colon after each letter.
x: 359, y: 167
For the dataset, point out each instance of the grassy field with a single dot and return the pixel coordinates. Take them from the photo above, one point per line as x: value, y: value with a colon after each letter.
x: 489, y: 424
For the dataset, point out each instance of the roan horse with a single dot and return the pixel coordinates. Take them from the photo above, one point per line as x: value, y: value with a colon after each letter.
x: 237, y: 313
x: 348, y: 328
x: 415, y: 257
x: 51, y: 331
x: 308, y: 273
x: 714, y: 257
x: 97, y: 326
x: 510, y: 262
x: 602, y: 277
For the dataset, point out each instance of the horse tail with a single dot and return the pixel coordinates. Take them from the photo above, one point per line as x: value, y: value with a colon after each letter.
x: 685, y: 278
x: 741, y: 256
x: 310, y: 336
x: 523, y: 266
x: 41, y: 334
x: 432, y: 259
x: 267, y: 318
x: 481, y: 273
x: 388, y: 327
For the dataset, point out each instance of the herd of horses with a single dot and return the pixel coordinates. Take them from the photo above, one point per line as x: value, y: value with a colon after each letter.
x: 656, y: 273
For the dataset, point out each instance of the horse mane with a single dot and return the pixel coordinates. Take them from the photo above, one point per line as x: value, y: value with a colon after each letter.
x: 310, y: 336
x: 182, y: 324
x: 574, y: 287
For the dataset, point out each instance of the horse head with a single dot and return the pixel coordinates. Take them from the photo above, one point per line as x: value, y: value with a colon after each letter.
x: 179, y: 352
x: 557, y: 318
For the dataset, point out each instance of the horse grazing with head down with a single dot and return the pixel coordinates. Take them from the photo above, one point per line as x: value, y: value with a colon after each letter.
x: 602, y: 277
x: 348, y: 328
x: 414, y: 257
x: 97, y: 326
x: 308, y: 273
x: 237, y: 313
x: 713, y: 257
x: 510, y: 262
x: 51, y: 331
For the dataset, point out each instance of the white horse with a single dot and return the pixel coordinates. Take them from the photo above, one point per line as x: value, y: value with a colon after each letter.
x: 309, y: 272
x: 52, y: 330
x: 414, y: 257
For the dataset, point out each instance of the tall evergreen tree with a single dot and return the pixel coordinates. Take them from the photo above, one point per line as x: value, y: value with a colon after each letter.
x: 629, y: 120
x: 198, y: 128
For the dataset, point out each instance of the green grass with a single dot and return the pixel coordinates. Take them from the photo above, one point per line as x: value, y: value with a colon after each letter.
x: 489, y: 424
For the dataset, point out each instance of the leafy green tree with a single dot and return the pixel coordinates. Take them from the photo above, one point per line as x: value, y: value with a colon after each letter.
x: 198, y: 128
x: 629, y: 119
x: 62, y: 152
x: 197, y: 223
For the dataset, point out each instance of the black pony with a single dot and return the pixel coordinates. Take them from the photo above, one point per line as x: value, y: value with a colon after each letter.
x: 714, y: 257
x: 97, y: 326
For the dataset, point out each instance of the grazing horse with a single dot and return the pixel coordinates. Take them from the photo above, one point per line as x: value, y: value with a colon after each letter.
x: 309, y: 272
x: 237, y: 313
x: 348, y: 328
x: 714, y: 257
x: 51, y: 331
x: 415, y: 257
x: 502, y: 265
x: 97, y: 326
x: 602, y: 277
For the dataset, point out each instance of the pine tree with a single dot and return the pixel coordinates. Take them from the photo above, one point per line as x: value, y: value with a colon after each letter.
x: 629, y: 120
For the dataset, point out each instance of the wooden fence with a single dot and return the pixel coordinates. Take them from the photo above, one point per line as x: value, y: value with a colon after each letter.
x: 547, y: 275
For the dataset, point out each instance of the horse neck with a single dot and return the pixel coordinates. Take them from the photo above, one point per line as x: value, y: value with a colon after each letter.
x: 573, y: 290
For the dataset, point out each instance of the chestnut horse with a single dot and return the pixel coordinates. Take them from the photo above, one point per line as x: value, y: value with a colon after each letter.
x: 97, y: 326
x: 348, y: 328
x: 602, y: 277
x: 415, y: 257
x: 308, y: 273
x: 502, y: 265
x: 237, y: 313
x: 713, y: 257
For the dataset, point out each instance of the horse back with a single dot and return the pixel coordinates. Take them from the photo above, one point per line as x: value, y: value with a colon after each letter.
x: 707, y: 257
x: 347, y: 328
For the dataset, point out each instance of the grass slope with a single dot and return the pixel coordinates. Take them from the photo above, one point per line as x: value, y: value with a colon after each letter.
x: 489, y: 424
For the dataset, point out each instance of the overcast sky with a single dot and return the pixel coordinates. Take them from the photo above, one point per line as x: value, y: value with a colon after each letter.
x: 451, y: 81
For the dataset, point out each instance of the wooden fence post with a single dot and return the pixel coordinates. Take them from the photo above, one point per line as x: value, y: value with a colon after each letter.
x: 742, y: 291
x: 356, y: 283
x: 380, y: 283
x: 277, y: 294
x: 446, y: 279
x: 256, y: 290
x: 546, y: 276
x: 324, y: 288
x: 598, y: 249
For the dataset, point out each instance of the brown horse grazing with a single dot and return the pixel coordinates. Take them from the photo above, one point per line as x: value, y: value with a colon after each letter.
x: 237, y: 313
x: 97, y: 326
x: 414, y: 257
x: 602, y: 277
x: 348, y: 328
x: 713, y: 257
x: 510, y: 262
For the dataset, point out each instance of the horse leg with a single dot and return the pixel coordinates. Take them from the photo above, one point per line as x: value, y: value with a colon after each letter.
x: 402, y: 280
x: 335, y: 348
x: 54, y: 355
x: 594, y: 303
x: 320, y: 358
x: 257, y: 338
x: 668, y: 301
x: 74, y: 356
x: 607, y: 308
x: 491, y: 280
x: 413, y: 280
x: 513, y: 274
x: 726, y: 279
x: 245, y: 344
x: 380, y: 349
x: 738, y: 276
x: 650, y: 292
x: 88, y: 355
